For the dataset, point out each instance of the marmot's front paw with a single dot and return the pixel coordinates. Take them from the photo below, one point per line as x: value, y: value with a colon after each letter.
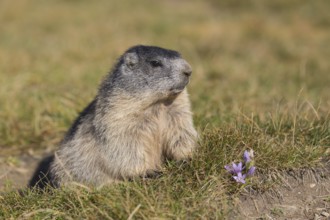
x: 153, y: 174
x: 181, y: 153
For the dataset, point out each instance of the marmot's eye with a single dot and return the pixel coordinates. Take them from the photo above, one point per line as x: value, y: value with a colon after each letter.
x: 156, y: 63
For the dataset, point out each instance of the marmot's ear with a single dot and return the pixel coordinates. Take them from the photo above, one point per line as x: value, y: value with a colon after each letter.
x: 131, y: 59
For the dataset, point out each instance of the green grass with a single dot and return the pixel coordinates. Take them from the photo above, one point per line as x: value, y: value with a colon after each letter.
x: 261, y: 80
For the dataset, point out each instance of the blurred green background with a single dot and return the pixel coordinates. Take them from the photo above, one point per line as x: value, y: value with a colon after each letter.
x: 250, y: 57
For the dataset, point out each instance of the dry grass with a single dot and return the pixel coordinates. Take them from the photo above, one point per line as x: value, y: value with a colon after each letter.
x: 261, y: 80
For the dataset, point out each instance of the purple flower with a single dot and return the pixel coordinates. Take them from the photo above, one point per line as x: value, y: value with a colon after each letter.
x: 240, y: 178
x: 246, y: 156
x: 229, y: 168
x: 251, y: 171
x: 242, y: 170
x: 234, y: 168
x: 237, y: 168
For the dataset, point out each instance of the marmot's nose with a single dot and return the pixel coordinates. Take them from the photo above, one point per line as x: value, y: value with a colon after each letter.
x: 186, y: 70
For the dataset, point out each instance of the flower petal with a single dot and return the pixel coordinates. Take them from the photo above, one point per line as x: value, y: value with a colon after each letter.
x: 229, y: 168
x: 251, y: 171
x: 237, y: 168
x: 240, y: 178
x: 246, y: 156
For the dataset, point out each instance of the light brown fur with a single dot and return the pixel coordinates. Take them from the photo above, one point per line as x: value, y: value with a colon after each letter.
x: 146, y: 137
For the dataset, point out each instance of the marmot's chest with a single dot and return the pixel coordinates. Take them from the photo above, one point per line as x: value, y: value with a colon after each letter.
x: 156, y: 115
x: 157, y: 119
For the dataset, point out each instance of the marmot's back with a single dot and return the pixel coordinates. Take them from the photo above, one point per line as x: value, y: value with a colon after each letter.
x: 140, y: 116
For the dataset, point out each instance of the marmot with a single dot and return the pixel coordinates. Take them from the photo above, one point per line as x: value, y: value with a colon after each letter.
x: 140, y: 116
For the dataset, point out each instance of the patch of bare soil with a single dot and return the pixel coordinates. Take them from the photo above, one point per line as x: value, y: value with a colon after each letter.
x: 15, y: 172
x: 302, y: 194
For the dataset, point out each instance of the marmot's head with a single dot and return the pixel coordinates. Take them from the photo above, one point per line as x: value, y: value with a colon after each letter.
x: 149, y: 69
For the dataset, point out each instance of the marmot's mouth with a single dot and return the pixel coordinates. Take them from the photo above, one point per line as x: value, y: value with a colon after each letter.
x: 177, y: 90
